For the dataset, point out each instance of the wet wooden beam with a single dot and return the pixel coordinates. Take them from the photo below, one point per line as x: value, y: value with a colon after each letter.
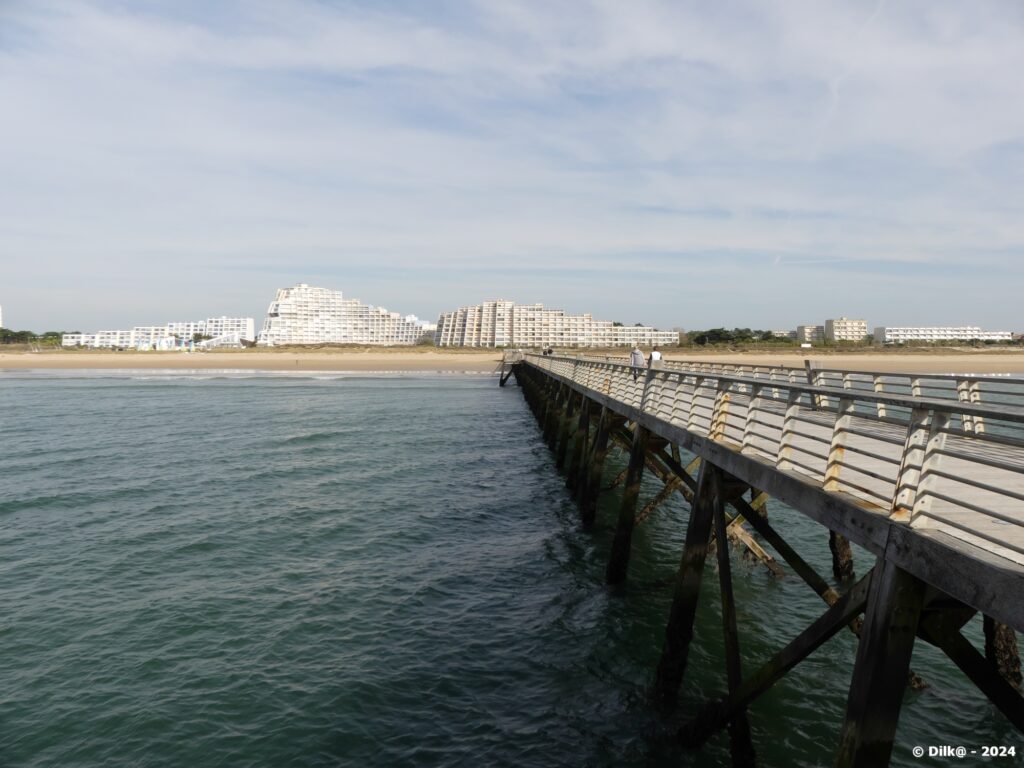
x: 1002, y: 652
x: 565, y: 429
x: 740, y: 746
x: 715, y: 716
x: 679, y: 632
x: 779, y: 544
x: 552, y: 411
x: 942, y: 631
x: 881, y: 668
x: 578, y: 445
x: 842, y: 556
x: 618, y: 480
x: 595, y: 468
x: 673, y: 485
x: 618, y: 561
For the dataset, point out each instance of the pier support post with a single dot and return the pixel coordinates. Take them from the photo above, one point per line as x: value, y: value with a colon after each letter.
x: 618, y: 562
x: 880, y: 671
x: 842, y: 556
x: 740, y: 745
x: 1001, y: 651
x: 679, y: 631
x: 565, y: 428
x: 578, y: 445
x: 595, y: 470
x: 552, y: 392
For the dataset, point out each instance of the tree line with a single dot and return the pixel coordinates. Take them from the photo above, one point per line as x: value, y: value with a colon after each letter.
x: 7, y: 336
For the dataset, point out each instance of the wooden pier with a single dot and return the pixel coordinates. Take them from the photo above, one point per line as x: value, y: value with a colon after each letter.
x: 925, y: 472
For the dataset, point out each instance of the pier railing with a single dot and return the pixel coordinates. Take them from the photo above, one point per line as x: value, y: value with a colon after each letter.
x: 934, y: 452
x: 975, y: 388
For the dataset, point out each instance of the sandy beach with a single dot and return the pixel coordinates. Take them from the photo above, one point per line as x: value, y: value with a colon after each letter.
x: 485, y: 361
x: 259, y: 360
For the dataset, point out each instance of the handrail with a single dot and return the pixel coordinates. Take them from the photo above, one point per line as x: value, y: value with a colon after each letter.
x: 1009, y: 413
x: 938, y: 463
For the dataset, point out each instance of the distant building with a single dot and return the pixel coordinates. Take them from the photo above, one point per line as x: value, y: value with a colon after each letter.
x: 784, y: 334
x: 808, y: 334
x: 906, y: 334
x: 845, y: 329
x: 2, y: 318
x: 230, y: 330
x: 305, y: 314
x: 503, y: 323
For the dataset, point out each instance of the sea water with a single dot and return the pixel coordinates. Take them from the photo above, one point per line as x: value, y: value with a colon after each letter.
x: 323, y: 570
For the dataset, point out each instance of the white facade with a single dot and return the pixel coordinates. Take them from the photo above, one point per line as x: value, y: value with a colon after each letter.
x: 308, y: 315
x: 810, y: 333
x: 2, y: 318
x: 502, y: 323
x: 163, y: 337
x: 845, y: 329
x: 905, y: 334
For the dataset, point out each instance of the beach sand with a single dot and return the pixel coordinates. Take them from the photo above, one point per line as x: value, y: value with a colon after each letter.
x: 259, y: 360
x: 484, y: 361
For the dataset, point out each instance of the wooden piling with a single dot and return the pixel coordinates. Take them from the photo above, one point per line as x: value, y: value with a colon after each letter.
x: 1002, y: 652
x: 881, y: 667
x: 740, y: 745
x: 578, y: 445
x: 551, y: 409
x: 842, y: 556
x: 618, y: 561
x: 679, y: 632
x: 565, y: 429
x: 595, y: 468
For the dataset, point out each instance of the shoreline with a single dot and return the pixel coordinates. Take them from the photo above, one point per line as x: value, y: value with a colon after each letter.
x: 484, y: 361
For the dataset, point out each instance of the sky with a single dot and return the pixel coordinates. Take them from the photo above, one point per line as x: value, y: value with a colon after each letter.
x: 680, y: 164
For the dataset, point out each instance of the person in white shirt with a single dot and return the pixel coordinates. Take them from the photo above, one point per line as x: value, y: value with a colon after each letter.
x: 655, y: 359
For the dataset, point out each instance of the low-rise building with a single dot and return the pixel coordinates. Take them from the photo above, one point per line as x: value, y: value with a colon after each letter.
x: 845, y: 329
x: 808, y: 334
x: 174, y: 335
x: 503, y: 323
x: 930, y: 334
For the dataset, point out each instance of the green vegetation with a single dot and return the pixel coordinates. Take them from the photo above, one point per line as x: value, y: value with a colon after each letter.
x: 47, y: 339
x: 717, y: 336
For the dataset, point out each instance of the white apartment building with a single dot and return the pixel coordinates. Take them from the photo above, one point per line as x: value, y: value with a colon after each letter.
x: 169, y: 336
x: 810, y: 333
x: 845, y: 329
x: 905, y: 334
x: 306, y: 314
x: 503, y: 323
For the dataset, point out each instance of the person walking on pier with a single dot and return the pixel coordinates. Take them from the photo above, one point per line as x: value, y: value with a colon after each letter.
x: 654, y: 361
x: 636, y: 360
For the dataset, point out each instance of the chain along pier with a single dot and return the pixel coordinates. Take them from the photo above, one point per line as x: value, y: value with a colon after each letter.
x: 925, y: 472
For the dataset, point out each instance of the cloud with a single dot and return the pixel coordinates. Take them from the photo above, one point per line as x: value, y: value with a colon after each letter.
x: 198, y: 157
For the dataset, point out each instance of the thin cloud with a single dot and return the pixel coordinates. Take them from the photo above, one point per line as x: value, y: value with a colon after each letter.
x: 198, y: 157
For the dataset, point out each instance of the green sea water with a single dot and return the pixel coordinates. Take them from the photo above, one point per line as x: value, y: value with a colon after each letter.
x: 322, y: 570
